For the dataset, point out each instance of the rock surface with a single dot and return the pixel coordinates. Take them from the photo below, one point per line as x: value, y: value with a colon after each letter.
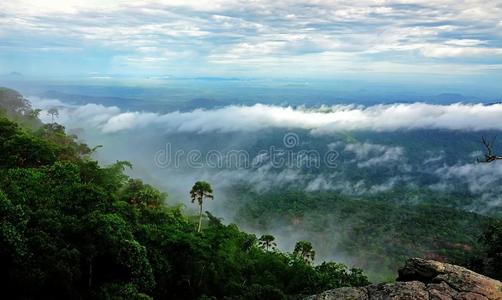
x: 422, y: 279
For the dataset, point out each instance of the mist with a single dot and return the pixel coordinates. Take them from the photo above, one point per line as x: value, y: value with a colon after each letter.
x: 374, y: 153
x: 252, y: 118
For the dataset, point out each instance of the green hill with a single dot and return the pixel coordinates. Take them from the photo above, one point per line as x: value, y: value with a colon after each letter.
x: 72, y: 229
x: 374, y: 234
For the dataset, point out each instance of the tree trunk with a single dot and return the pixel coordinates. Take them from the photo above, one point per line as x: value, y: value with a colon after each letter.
x: 90, y: 273
x: 200, y: 217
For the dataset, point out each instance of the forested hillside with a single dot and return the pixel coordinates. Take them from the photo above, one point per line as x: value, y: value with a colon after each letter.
x: 374, y: 233
x: 70, y: 228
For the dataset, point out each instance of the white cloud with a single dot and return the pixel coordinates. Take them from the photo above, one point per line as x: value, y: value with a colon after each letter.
x: 465, y: 42
x: 370, y: 155
x: 303, y: 36
x: 319, y: 183
x: 437, y: 51
x: 259, y: 116
x: 483, y: 181
x: 480, y: 178
x: 434, y: 158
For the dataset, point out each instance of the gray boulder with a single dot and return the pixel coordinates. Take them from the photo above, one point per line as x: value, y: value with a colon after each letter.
x: 422, y: 279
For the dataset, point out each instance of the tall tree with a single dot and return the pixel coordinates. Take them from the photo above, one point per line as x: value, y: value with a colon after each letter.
x: 267, y: 242
x: 54, y: 113
x: 304, y: 250
x: 201, y: 190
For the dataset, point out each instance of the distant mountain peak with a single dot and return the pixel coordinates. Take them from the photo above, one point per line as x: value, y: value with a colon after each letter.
x: 14, y: 74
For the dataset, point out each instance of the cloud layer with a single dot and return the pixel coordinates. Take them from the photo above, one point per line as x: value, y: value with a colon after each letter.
x: 234, y: 36
x: 257, y: 117
x: 364, y: 166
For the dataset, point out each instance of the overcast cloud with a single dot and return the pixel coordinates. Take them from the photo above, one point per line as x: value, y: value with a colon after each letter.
x: 264, y: 37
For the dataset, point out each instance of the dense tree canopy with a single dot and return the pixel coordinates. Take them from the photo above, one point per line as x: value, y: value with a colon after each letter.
x: 374, y: 232
x: 487, y: 258
x: 70, y: 228
x: 15, y: 106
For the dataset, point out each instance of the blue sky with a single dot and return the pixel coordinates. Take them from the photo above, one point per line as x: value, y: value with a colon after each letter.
x: 312, y: 38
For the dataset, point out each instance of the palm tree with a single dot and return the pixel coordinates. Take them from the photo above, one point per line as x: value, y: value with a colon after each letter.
x: 267, y: 241
x: 305, y: 251
x: 201, y: 190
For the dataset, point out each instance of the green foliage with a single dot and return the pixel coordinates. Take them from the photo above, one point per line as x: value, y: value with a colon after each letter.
x: 377, y: 235
x: 266, y: 241
x: 201, y: 190
x: 487, y: 258
x: 115, y: 291
x: 20, y: 148
x: 305, y: 251
x: 68, y: 145
x: 15, y: 106
x: 70, y: 228
x: 334, y: 275
x: 141, y: 195
x: 258, y: 292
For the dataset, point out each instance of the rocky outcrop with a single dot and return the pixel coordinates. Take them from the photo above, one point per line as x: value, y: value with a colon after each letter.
x: 422, y: 279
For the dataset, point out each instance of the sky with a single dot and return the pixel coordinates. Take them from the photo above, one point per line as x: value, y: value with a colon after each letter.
x: 309, y: 38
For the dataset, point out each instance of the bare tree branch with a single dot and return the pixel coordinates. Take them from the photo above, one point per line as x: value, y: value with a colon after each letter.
x: 489, y: 156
